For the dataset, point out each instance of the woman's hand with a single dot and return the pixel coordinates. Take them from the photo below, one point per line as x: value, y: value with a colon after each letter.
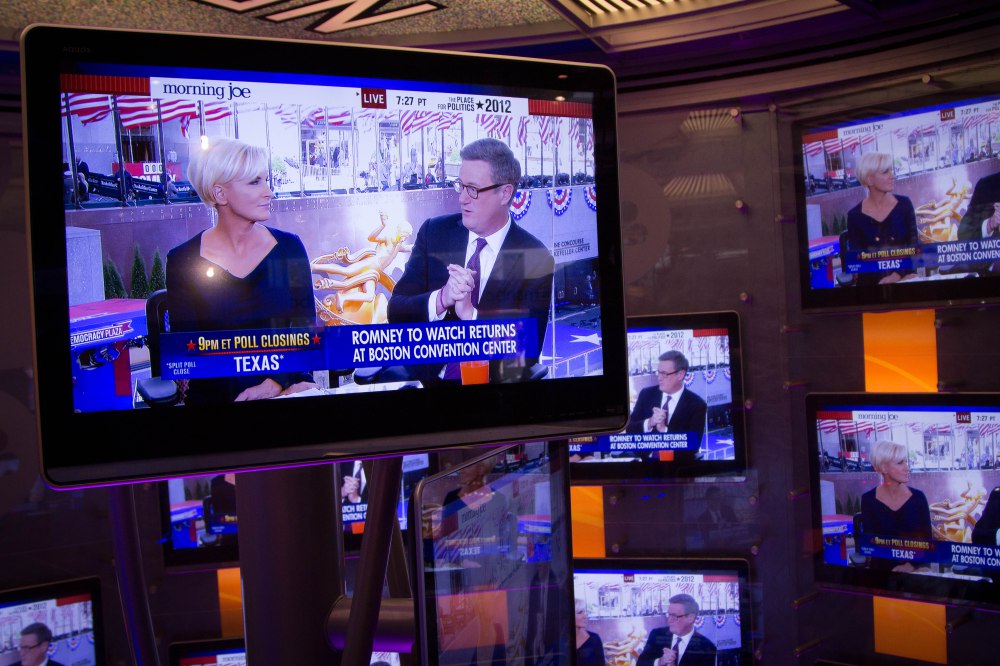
x: 299, y: 388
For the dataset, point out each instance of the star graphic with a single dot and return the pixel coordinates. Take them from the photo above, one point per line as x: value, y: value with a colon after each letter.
x: 315, y: 338
x: 479, y: 104
x: 190, y: 345
x: 593, y: 338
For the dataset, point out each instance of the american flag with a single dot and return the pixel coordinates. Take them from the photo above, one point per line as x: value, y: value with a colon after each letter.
x: 833, y: 145
x: 90, y: 108
x: 216, y: 110
x: 828, y: 425
x: 414, y: 121
x: 813, y: 149
x: 522, y: 131
x: 496, y: 126
x: 286, y: 114
x: 137, y: 111
x: 449, y: 120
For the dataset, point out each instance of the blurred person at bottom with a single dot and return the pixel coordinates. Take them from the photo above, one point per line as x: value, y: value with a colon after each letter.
x: 239, y: 274
x: 893, y: 508
x: 34, y: 646
x: 678, y: 644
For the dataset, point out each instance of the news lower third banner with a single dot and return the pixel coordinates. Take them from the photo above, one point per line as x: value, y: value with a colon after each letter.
x: 922, y: 551
x: 627, y: 443
x: 977, y: 251
x: 203, y: 354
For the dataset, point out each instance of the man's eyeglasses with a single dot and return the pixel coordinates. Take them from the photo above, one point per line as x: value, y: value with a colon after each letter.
x: 677, y: 616
x: 663, y: 374
x: 25, y: 648
x: 472, y: 190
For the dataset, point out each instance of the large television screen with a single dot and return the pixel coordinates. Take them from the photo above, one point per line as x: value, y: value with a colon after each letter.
x: 897, y: 203
x: 685, y: 405
x: 60, y: 622
x: 493, y: 568
x: 384, y: 237
x: 906, y: 490
x: 636, y: 611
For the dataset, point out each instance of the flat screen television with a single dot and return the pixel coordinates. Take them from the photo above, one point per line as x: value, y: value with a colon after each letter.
x: 696, y: 360
x: 926, y: 527
x: 492, y: 569
x: 631, y: 610
x: 359, y: 218
x: 201, y: 525
x: 934, y: 241
x: 61, y: 621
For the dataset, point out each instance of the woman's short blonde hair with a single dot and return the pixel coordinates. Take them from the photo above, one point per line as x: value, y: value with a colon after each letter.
x: 871, y: 163
x: 886, y: 451
x: 579, y: 605
x: 223, y: 161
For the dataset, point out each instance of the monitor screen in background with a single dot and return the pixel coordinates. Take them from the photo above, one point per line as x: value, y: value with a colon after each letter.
x: 231, y: 652
x: 941, y: 541
x: 493, y: 567
x: 68, y: 613
x: 940, y: 158
x: 624, y: 605
x: 203, y: 523
x: 704, y: 435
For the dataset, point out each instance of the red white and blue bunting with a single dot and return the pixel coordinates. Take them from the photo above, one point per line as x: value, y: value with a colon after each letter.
x: 559, y: 199
x: 520, y: 204
x: 590, y: 196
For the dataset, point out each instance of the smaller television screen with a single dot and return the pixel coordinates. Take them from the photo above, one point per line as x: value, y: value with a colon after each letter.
x: 897, y: 202
x: 493, y: 565
x: 60, y: 622
x: 354, y: 494
x: 201, y: 524
x: 685, y: 404
x: 906, y: 489
x: 636, y: 611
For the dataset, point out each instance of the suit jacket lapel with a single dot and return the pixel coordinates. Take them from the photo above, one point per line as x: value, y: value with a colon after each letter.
x: 507, y: 268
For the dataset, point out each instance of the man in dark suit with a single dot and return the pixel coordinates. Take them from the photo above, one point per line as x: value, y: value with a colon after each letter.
x: 987, y: 529
x: 668, y: 406
x: 34, y: 646
x: 981, y: 219
x: 678, y: 644
x: 478, y: 264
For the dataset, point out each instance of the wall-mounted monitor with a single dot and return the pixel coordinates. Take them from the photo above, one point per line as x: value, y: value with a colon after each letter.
x: 685, y: 405
x: 906, y: 491
x: 364, y: 296
x: 896, y: 203
x: 61, y: 621
x: 634, y: 611
x: 493, y: 571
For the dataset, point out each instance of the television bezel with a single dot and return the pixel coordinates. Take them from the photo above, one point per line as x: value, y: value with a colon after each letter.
x: 243, y: 434
x: 651, y: 472
x: 90, y: 585
x: 969, y: 292
x: 688, y: 565
x: 887, y: 583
